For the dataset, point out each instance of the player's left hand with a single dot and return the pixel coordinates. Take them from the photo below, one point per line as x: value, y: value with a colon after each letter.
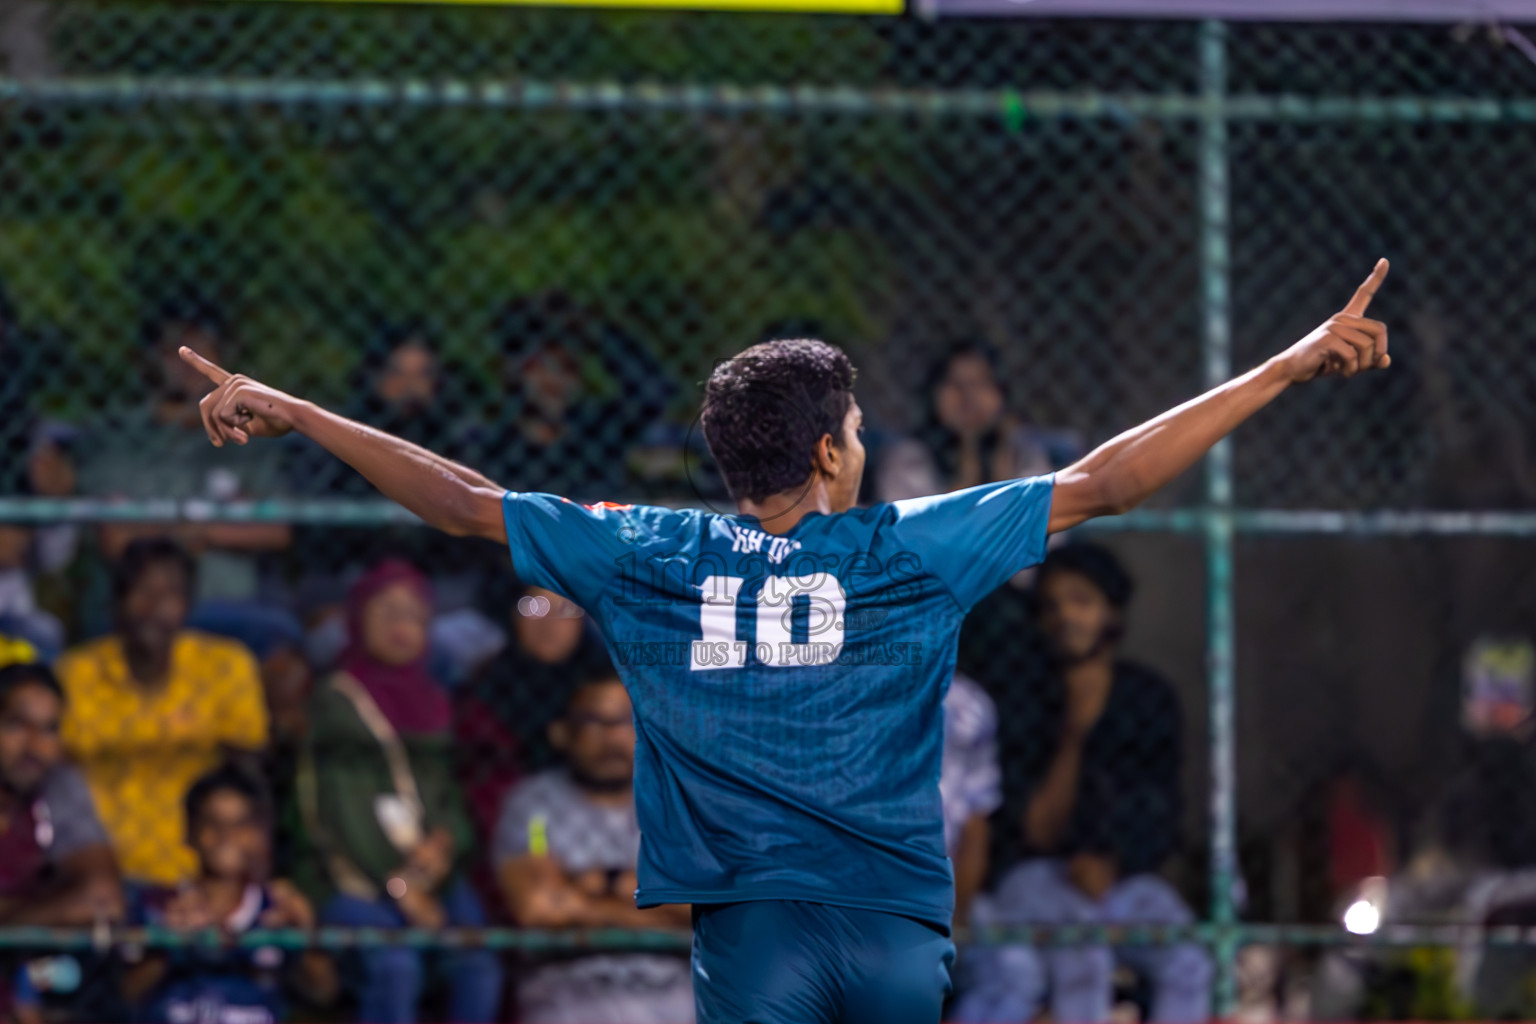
x: 1346, y: 344
x: 238, y: 408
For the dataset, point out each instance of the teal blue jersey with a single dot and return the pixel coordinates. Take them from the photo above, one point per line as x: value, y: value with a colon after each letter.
x: 787, y: 688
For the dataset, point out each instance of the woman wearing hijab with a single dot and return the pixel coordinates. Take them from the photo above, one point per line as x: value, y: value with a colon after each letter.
x: 502, y: 713
x: 388, y: 835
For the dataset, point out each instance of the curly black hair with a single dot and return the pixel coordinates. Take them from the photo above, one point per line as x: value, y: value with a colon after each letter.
x: 765, y: 409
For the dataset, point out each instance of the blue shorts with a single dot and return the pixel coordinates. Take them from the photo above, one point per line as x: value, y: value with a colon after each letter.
x: 786, y: 962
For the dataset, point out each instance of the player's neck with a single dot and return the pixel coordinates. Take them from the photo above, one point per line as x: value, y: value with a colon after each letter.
x: 780, y: 513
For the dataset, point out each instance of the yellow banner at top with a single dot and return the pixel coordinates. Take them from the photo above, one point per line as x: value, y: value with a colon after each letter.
x: 818, y: 6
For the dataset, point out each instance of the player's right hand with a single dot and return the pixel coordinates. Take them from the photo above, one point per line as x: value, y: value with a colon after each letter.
x: 238, y: 408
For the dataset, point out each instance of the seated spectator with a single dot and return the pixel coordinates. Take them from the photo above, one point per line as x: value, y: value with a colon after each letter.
x: 56, y: 865
x: 288, y: 685
x: 20, y: 615
x: 567, y: 847
x: 154, y: 705
x: 1102, y: 815
x: 71, y: 579
x: 398, y: 384
x: 968, y: 436
x: 576, y: 393
x: 159, y: 449
x: 503, y: 713
x: 970, y: 785
x: 229, y: 828
x: 387, y: 836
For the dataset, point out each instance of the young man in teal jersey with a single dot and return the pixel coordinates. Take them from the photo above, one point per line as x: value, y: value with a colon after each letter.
x: 787, y: 664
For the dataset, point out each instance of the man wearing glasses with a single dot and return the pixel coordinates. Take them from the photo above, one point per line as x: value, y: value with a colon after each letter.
x: 566, y: 848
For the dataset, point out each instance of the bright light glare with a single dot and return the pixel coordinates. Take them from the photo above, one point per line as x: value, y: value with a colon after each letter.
x: 1362, y: 918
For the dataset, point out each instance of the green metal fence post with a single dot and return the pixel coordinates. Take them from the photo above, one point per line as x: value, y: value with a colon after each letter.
x: 1215, y: 284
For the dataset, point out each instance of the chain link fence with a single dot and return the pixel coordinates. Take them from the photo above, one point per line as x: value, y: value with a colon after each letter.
x: 523, y: 237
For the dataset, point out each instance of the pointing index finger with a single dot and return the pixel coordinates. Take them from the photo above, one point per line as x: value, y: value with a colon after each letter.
x: 1367, y: 291
x: 212, y: 371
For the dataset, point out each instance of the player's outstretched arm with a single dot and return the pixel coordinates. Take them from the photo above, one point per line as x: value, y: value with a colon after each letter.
x: 1121, y: 474
x: 451, y: 497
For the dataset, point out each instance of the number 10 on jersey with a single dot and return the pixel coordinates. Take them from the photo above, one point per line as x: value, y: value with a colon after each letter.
x: 821, y: 595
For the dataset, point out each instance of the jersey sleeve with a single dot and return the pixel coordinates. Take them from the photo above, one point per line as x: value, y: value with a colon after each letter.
x: 974, y: 539
x: 566, y: 547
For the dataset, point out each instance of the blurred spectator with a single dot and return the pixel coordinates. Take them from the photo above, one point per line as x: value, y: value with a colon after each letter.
x: 462, y: 640
x: 576, y: 394
x: 567, y: 847
x: 399, y: 384
x: 501, y: 716
x: 1470, y: 854
x: 1102, y: 815
x: 1485, y: 813
x: 969, y: 436
x: 229, y: 827
x: 503, y: 713
x: 56, y: 865
x: 971, y: 786
x: 396, y: 387
x: 72, y: 580
x: 386, y: 830
x: 51, y: 461
x: 19, y: 612
x: 152, y: 706
x: 159, y: 450
x: 29, y: 553
x: 1002, y: 650
x: 288, y: 684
